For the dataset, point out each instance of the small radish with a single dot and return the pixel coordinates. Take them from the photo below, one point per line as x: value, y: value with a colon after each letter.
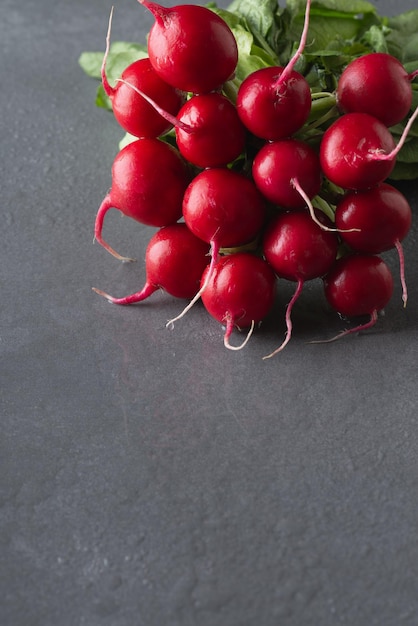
x: 378, y: 84
x: 239, y: 293
x: 131, y: 111
x: 191, y: 47
x: 149, y: 178
x: 280, y: 164
x: 174, y: 260
x: 208, y: 130
x: 358, y: 284
x: 225, y: 209
x: 358, y: 151
x: 381, y: 217
x: 298, y: 249
x: 275, y: 102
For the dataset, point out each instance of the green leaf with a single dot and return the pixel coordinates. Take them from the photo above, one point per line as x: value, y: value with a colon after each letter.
x: 259, y: 15
x: 248, y: 63
x: 404, y: 171
x: 91, y: 63
x: 409, y: 152
x: 332, y: 8
x: 375, y: 37
x: 121, y: 54
x: 243, y: 38
x: 102, y: 99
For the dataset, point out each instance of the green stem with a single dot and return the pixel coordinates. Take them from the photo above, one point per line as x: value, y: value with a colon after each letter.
x: 230, y: 89
x: 324, y: 206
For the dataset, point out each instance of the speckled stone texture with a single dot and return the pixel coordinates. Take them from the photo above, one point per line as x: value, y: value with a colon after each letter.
x: 149, y: 477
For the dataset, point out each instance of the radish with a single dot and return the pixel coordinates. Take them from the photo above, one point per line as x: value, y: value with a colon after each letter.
x: 378, y: 84
x: 131, y: 111
x: 382, y: 218
x: 209, y: 132
x: 175, y: 260
x: 149, y: 178
x: 358, y: 151
x: 358, y: 284
x: 191, y: 47
x: 298, y: 249
x: 239, y: 292
x: 280, y: 164
x: 275, y: 102
x: 225, y: 209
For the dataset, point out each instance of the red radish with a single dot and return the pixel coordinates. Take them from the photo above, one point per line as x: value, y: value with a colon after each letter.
x: 357, y: 285
x: 239, y: 292
x: 381, y: 217
x: 275, y: 102
x: 358, y: 151
x: 225, y: 209
x: 211, y: 134
x: 208, y: 130
x: 348, y: 148
x: 298, y: 249
x: 175, y: 260
x: 378, y: 84
x: 131, y: 111
x: 149, y: 178
x: 191, y: 47
x: 277, y: 166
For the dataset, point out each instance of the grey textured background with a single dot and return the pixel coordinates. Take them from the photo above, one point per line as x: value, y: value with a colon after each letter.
x: 150, y: 477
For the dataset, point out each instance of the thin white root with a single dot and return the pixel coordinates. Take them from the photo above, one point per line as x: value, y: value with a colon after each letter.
x: 350, y: 331
x: 399, y: 249
x: 214, y: 254
x: 304, y: 195
x: 289, y: 67
x: 172, y: 119
x: 244, y: 343
x: 108, y: 297
x: 382, y: 156
x: 187, y: 308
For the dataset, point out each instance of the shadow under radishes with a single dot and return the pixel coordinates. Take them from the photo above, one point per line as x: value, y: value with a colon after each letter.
x: 174, y: 262
x: 298, y: 249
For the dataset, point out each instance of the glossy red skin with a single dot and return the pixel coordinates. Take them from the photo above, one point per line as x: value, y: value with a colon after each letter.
x: 132, y: 112
x: 297, y: 248
x: 273, y: 113
x: 358, y: 284
x: 223, y: 206
x: 378, y: 84
x: 218, y: 137
x: 176, y: 52
x: 382, y: 215
x: 149, y: 178
x: 275, y: 165
x: 175, y: 260
x: 241, y: 288
x: 347, y: 146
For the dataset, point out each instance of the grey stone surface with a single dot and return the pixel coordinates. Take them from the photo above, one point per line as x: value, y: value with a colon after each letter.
x: 149, y: 477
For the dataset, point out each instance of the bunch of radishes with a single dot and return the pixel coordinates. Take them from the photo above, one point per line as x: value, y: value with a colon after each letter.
x: 240, y: 199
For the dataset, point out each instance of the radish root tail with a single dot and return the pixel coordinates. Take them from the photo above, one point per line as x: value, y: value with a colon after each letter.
x: 228, y: 332
x: 304, y: 195
x: 399, y: 249
x: 349, y: 331
x: 289, y: 324
x: 214, y: 259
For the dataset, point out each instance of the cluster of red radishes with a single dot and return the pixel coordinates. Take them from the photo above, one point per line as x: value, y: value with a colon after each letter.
x: 238, y: 199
